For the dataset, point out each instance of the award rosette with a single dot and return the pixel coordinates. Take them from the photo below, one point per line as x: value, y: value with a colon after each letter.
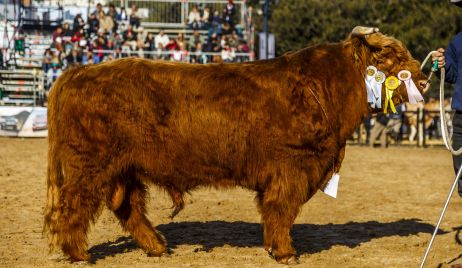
x: 391, y: 83
x: 413, y: 93
x: 371, y: 71
x: 379, y: 80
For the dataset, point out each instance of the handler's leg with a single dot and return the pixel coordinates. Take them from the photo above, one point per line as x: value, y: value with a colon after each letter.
x: 132, y: 217
x: 457, y: 143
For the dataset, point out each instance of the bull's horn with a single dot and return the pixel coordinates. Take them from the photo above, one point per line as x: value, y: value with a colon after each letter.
x: 361, y: 30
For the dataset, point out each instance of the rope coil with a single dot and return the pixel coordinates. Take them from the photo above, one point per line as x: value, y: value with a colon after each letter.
x: 443, y: 122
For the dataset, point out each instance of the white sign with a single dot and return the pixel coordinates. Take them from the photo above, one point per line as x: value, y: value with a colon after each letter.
x: 332, y: 186
x: 271, y: 46
x: 23, y: 121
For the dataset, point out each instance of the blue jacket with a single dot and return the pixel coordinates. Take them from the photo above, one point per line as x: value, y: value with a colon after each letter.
x: 453, y: 57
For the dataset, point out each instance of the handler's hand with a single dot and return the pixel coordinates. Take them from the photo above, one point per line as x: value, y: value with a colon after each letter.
x: 439, y: 55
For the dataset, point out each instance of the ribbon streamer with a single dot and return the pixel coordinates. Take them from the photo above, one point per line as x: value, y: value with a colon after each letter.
x: 379, y: 80
x: 391, y: 83
x: 413, y: 93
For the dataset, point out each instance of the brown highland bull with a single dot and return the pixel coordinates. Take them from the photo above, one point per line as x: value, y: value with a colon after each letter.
x: 278, y: 127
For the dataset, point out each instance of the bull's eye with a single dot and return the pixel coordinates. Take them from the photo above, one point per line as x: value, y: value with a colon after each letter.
x: 370, y: 72
x: 404, y: 76
x: 379, y: 77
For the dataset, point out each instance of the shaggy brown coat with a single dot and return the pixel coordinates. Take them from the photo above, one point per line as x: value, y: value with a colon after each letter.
x: 278, y: 127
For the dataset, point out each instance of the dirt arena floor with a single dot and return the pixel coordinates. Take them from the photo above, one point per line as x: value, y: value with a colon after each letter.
x: 388, y: 203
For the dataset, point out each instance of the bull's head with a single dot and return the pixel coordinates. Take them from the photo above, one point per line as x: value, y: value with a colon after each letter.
x: 388, y: 55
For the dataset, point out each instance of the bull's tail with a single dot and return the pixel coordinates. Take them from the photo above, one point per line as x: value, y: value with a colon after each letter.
x: 55, y: 176
x: 52, y: 210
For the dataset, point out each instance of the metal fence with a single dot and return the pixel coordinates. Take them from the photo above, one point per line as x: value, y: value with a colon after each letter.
x: 174, y: 13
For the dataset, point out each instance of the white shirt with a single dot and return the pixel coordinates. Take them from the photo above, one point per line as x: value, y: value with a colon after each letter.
x: 163, y: 39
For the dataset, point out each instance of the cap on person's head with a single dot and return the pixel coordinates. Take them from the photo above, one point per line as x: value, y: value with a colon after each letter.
x: 457, y: 2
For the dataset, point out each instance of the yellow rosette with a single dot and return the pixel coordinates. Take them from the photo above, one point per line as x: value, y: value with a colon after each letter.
x: 391, y: 83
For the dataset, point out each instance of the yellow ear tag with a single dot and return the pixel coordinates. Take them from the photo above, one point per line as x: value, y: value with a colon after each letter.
x: 391, y: 83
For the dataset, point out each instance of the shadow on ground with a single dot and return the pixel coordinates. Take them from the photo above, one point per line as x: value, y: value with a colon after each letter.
x: 308, y: 238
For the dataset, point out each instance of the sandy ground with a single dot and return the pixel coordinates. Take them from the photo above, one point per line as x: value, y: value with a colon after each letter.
x: 388, y: 203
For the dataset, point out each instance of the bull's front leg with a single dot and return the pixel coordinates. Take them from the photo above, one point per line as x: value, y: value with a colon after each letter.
x: 280, y: 204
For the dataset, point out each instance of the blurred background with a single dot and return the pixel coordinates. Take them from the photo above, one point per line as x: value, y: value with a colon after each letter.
x: 40, y: 39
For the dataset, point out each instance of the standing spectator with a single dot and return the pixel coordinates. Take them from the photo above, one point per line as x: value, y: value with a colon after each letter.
x: 228, y: 13
x: 78, y: 23
x: 99, y: 8
x: 105, y: 23
x: 194, y: 19
x: 93, y: 24
x: 195, y: 39
x: 112, y: 12
x: 134, y: 17
x: 162, y: 39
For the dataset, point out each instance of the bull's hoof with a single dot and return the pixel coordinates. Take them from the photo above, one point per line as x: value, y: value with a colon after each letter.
x: 157, y: 253
x: 289, y: 260
x: 77, y: 259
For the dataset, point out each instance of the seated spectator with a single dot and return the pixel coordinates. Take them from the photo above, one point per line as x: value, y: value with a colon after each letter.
x: 123, y: 19
x: 93, y: 24
x: 150, y: 45
x: 195, y: 39
x: 75, y: 58
x: 53, y: 73
x: 130, y: 38
x: 134, y: 17
x: 215, y: 24
x: 58, y: 38
x: 67, y: 32
x: 46, y: 60
x: 206, y: 18
x: 105, y: 23
x: 172, y: 45
x: 199, y: 56
x: 159, y: 52
x: 180, y: 39
x: 194, y: 19
x: 180, y: 54
x: 162, y: 39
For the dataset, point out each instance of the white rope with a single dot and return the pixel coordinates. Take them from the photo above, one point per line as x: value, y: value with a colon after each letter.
x: 443, y: 122
x: 449, y: 146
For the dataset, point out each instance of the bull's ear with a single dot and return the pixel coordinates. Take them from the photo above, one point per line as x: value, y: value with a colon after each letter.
x: 361, y: 31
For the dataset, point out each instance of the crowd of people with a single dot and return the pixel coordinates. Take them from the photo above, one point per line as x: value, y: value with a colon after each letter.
x: 116, y: 33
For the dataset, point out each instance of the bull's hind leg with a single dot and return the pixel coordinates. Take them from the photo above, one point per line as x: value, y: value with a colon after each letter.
x: 79, y: 204
x: 279, y: 206
x: 132, y: 216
